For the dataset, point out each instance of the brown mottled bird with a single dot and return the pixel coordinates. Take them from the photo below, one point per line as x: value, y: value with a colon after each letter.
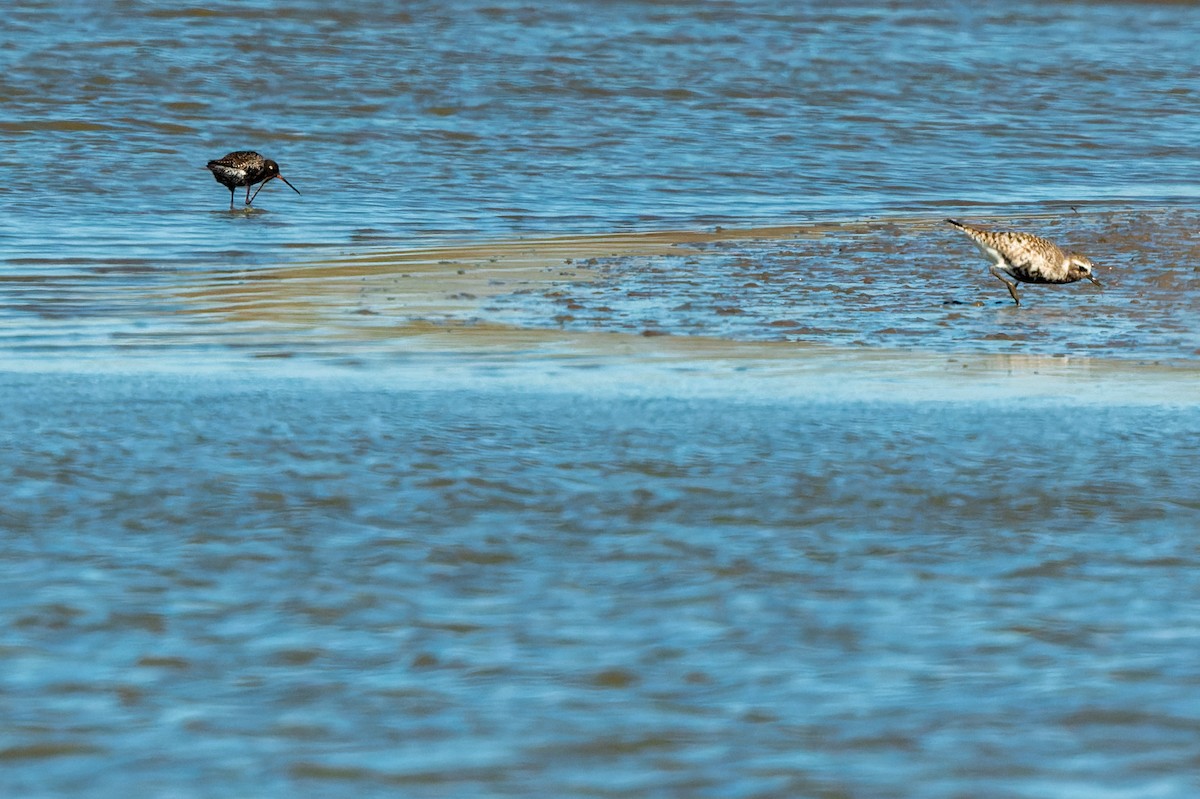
x: 245, y: 168
x: 1027, y: 258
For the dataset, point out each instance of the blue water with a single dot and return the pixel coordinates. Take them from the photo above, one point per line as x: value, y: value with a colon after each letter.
x: 262, y: 587
x: 472, y: 119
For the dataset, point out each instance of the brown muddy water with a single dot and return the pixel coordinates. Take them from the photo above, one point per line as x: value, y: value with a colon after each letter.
x: 613, y: 415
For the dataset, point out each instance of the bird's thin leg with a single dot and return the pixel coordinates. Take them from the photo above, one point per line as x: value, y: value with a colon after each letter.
x: 247, y: 194
x: 1012, y: 287
x: 230, y: 199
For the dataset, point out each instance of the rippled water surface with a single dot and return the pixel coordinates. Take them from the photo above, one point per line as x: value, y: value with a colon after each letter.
x: 611, y: 415
x: 505, y: 117
x: 304, y: 588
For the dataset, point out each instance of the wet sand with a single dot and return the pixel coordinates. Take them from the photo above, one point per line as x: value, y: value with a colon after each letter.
x: 414, y: 286
x: 833, y: 308
x: 899, y: 284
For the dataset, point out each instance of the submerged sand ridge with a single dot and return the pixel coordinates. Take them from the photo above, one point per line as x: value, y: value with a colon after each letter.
x: 898, y: 284
x: 442, y: 283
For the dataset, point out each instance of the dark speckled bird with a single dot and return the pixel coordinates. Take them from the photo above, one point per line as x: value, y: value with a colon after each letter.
x: 1027, y: 258
x: 245, y: 168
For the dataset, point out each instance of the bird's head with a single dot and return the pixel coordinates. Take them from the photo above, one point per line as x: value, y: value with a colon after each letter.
x: 1080, y: 267
x: 271, y: 170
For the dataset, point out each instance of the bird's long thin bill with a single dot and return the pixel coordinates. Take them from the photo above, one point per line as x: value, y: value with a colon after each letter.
x: 1094, y: 280
x: 268, y: 180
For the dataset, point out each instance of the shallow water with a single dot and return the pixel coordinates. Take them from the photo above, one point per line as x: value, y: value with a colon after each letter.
x: 612, y: 414
x: 310, y: 588
x: 510, y: 117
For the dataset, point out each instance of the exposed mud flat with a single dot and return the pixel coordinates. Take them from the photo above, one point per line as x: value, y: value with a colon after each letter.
x: 903, y: 284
